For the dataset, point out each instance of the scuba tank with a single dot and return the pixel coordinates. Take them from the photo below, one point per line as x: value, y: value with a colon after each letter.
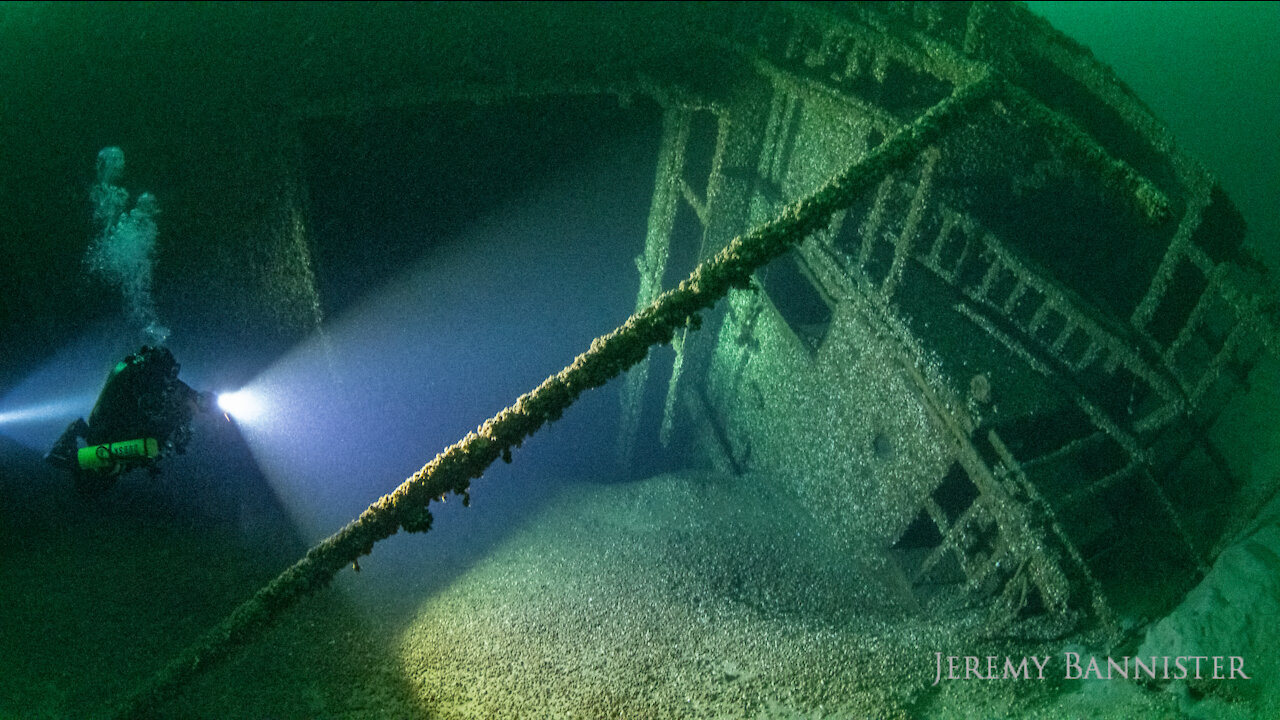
x: 111, y: 455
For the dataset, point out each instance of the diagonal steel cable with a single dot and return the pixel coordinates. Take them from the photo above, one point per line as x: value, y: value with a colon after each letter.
x: 609, y: 355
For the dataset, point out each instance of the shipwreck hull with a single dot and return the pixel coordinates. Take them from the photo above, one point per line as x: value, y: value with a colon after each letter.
x: 992, y: 377
x: 996, y: 374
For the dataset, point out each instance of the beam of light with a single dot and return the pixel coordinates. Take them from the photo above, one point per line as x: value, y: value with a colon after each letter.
x: 37, y: 426
x: 345, y: 416
x: 36, y: 410
x: 55, y: 410
x: 245, y: 405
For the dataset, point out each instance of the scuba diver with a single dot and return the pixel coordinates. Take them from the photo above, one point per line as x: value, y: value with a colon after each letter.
x: 143, y: 412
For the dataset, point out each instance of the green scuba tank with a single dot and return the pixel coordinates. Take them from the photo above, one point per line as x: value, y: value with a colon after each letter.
x: 108, y: 455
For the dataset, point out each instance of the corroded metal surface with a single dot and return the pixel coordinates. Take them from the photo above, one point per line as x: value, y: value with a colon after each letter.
x: 1061, y: 293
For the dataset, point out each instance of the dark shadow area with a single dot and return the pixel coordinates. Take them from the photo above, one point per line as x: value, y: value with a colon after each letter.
x: 387, y: 189
x: 100, y: 592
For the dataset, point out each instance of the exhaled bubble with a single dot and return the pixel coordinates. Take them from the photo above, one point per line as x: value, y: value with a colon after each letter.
x: 123, y: 253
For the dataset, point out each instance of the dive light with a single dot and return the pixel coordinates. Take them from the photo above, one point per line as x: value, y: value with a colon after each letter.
x: 108, y: 455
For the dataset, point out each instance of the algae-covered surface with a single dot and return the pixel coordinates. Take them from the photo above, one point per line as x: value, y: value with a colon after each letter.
x: 683, y: 595
x: 698, y: 595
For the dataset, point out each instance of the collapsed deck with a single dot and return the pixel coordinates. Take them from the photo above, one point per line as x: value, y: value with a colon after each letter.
x: 996, y: 376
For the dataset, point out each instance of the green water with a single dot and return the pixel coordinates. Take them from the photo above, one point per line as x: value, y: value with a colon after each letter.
x: 1211, y: 71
